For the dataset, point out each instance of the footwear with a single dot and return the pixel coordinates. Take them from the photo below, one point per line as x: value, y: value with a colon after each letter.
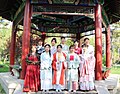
x: 56, y: 90
x: 59, y: 90
x: 74, y: 90
x: 69, y: 90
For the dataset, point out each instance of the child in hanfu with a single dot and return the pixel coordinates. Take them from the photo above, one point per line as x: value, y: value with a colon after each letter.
x: 72, y: 69
x: 46, y: 69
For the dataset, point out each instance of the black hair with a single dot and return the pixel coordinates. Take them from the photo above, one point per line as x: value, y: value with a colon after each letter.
x: 40, y: 40
x: 59, y: 46
x: 49, y: 47
x: 54, y: 40
x: 86, y: 39
x: 71, y: 46
x: 76, y: 41
x: 62, y: 37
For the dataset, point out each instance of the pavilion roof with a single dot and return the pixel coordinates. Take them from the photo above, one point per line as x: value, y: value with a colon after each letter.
x: 48, y: 15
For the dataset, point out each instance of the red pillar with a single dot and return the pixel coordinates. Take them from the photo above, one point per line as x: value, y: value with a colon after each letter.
x: 43, y: 36
x: 78, y: 38
x: 12, y: 46
x: 26, y: 36
x: 98, y: 42
x: 108, y: 52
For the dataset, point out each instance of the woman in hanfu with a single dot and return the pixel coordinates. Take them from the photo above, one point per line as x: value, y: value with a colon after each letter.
x: 46, y: 69
x: 87, y: 66
x: 32, y: 77
x: 78, y: 50
x: 73, y: 61
x: 59, y: 65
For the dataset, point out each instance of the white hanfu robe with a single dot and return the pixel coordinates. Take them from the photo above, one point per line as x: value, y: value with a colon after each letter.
x: 46, y: 71
x: 87, y: 65
x: 73, y: 61
x: 65, y: 48
x: 53, y: 49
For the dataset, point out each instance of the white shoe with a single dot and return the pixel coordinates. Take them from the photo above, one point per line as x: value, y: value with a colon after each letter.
x: 69, y: 90
x: 56, y: 90
x: 74, y: 90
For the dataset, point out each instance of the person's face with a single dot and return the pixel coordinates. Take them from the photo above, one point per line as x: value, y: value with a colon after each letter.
x: 59, y: 49
x: 53, y: 42
x: 47, y: 48
x: 76, y: 44
x: 72, y: 49
x: 40, y: 43
x: 87, y: 42
x: 63, y: 41
x: 33, y: 48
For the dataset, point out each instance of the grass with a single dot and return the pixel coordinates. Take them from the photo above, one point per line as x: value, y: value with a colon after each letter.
x: 115, y: 70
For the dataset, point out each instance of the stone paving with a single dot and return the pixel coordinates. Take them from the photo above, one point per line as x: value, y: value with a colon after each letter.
x: 12, y: 85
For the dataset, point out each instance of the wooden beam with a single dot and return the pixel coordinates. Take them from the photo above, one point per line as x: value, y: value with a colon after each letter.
x: 63, y: 13
x: 105, y: 19
x: 63, y: 5
x: 19, y: 15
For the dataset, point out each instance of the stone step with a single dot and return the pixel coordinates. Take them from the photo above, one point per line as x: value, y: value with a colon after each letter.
x: 12, y: 85
x: 9, y: 82
x: 64, y: 92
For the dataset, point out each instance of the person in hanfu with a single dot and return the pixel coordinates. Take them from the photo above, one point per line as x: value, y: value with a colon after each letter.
x: 65, y: 48
x: 59, y: 65
x: 46, y: 69
x: 87, y: 66
x: 53, y: 46
x: 78, y: 50
x: 40, y: 47
x: 32, y: 77
x: 73, y: 61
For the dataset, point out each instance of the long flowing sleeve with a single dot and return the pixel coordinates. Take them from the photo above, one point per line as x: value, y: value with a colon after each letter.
x: 78, y: 60
x: 54, y: 62
x: 42, y: 61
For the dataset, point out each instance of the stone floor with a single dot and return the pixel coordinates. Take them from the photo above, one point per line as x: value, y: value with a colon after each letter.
x: 12, y: 85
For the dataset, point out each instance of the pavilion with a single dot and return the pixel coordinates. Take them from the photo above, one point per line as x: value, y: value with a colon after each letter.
x: 72, y: 16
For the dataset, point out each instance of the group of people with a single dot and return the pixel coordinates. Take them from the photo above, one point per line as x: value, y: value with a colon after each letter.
x: 60, y: 67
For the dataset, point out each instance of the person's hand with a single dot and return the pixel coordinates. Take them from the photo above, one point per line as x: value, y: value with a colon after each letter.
x: 58, y: 62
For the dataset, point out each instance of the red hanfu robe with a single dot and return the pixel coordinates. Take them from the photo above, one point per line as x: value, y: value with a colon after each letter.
x: 62, y: 75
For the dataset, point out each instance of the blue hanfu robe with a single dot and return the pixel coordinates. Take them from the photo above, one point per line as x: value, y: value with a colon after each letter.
x: 46, y: 71
x: 73, y: 61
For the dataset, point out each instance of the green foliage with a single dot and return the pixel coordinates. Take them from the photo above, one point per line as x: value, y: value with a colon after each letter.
x: 69, y: 42
x: 5, y: 33
x: 5, y: 67
x: 104, y: 60
x: 115, y: 41
x: 2, y: 90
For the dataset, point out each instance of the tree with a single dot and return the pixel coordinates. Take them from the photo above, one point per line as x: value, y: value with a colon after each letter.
x: 115, y: 41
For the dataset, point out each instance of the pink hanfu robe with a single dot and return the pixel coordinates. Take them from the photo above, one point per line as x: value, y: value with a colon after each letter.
x: 86, y: 68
